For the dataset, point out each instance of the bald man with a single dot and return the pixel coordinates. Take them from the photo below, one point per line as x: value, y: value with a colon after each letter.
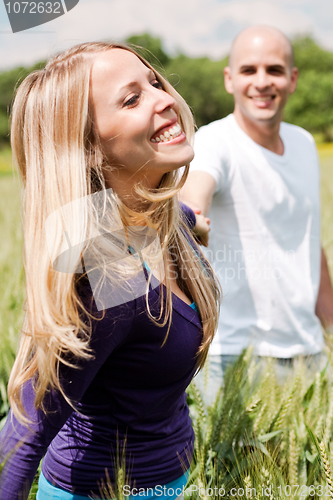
x: 258, y: 181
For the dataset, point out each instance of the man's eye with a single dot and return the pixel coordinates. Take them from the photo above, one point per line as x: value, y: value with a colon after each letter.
x: 132, y: 100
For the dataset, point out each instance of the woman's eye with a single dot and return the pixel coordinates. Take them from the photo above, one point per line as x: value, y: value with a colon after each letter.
x: 157, y: 85
x: 132, y: 100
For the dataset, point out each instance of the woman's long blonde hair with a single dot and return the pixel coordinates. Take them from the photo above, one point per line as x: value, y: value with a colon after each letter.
x: 59, y: 158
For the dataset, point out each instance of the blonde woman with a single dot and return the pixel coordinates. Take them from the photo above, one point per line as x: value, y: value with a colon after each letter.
x: 114, y: 331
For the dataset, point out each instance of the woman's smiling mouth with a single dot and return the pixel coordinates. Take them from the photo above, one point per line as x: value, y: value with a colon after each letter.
x: 169, y: 134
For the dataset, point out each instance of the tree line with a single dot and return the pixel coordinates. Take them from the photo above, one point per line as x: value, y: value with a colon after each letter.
x: 200, y: 82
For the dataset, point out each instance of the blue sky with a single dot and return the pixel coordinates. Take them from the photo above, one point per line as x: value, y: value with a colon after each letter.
x: 194, y: 27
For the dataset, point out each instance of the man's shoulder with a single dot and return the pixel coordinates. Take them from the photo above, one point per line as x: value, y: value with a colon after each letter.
x: 212, y: 149
x: 296, y: 132
x: 215, y: 138
x: 217, y: 126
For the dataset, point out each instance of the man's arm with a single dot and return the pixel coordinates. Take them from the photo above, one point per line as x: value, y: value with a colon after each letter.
x: 198, y: 191
x: 324, y: 305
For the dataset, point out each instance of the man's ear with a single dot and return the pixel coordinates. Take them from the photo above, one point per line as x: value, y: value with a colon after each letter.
x: 228, y: 80
x: 294, y: 79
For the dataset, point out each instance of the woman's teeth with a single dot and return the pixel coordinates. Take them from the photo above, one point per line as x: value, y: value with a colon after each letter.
x: 168, y: 135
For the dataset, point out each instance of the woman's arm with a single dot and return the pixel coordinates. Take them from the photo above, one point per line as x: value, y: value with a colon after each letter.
x: 23, y: 447
x: 188, y: 215
x: 197, y: 222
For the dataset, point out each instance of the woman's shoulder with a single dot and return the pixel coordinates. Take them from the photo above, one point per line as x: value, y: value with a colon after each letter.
x: 104, y: 297
x: 118, y: 299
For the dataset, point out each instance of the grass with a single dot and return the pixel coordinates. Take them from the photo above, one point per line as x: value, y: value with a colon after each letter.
x: 11, y: 283
x: 6, y: 162
x: 264, y: 435
x: 260, y: 435
x: 326, y: 164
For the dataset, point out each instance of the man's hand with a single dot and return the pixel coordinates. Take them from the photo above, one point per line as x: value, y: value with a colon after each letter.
x: 197, y: 194
x: 202, y: 227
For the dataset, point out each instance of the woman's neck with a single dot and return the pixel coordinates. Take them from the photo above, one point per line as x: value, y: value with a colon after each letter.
x: 123, y: 184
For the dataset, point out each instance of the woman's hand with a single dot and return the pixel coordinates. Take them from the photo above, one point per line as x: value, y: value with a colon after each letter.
x: 202, y: 227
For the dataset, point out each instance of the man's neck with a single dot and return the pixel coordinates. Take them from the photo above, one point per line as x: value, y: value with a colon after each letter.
x: 265, y: 134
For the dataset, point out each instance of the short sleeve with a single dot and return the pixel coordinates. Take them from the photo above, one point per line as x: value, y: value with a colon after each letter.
x: 211, y: 153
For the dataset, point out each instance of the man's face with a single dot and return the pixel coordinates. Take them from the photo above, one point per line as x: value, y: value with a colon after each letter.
x: 260, y: 77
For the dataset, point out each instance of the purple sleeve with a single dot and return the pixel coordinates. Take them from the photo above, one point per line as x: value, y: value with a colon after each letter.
x: 188, y: 215
x: 22, y: 447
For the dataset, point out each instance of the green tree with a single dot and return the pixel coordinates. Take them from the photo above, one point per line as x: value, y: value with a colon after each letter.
x: 311, y: 107
x: 9, y: 80
x: 309, y: 56
x: 200, y: 82
x: 150, y: 48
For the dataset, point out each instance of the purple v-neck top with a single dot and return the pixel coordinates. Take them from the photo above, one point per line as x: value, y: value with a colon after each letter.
x: 130, y: 397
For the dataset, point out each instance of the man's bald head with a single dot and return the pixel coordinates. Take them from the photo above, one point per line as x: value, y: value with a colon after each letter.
x: 260, y: 76
x: 259, y: 35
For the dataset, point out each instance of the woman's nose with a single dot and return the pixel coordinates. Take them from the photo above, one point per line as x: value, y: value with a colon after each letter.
x: 163, y: 101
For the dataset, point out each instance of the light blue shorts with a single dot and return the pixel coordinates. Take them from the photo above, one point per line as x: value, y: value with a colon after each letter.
x: 169, y: 491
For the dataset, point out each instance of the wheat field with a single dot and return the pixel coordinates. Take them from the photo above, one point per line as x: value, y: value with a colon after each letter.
x: 259, y: 440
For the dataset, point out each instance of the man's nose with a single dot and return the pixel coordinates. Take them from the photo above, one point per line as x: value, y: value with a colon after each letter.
x: 262, y: 79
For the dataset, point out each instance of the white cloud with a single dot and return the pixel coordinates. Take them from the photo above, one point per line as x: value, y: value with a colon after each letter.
x: 265, y: 12
x: 298, y: 3
x: 196, y: 27
x: 187, y: 25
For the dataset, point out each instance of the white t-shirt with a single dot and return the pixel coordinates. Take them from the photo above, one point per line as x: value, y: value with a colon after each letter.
x: 264, y: 239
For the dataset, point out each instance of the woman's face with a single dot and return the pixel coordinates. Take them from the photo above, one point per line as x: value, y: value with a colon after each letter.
x: 136, y: 119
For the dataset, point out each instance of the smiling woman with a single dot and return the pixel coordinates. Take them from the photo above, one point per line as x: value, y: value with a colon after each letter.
x: 110, y: 339
x: 131, y: 110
